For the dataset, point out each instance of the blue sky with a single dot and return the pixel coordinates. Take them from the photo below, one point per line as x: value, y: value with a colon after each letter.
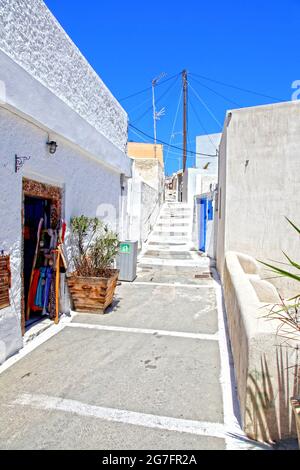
x: 252, y: 45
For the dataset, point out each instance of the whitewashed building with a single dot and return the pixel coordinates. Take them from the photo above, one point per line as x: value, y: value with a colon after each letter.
x: 259, y: 168
x: 199, y: 185
x: 50, y: 94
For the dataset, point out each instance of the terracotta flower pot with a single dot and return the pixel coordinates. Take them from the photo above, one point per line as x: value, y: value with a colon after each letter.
x: 295, y: 402
x: 93, y: 294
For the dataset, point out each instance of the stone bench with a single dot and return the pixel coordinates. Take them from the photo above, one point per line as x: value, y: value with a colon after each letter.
x: 264, y: 363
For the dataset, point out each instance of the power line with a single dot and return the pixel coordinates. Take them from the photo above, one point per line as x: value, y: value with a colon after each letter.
x: 179, y: 157
x: 139, y: 105
x: 188, y: 132
x: 201, y: 124
x: 157, y: 101
x: 237, y: 88
x: 138, y: 135
x: 205, y: 105
x: 172, y: 146
x: 174, y: 122
x: 217, y: 93
x: 148, y: 88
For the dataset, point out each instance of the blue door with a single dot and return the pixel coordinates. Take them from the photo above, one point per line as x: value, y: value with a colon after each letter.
x: 210, y: 210
x: 203, y: 224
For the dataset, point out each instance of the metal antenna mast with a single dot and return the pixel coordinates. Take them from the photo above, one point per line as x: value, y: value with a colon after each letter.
x: 184, y: 85
x: 156, y: 115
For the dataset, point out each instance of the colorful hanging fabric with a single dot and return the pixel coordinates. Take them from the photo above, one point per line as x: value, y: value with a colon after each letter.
x: 49, y: 276
x: 33, y: 288
x: 40, y: 289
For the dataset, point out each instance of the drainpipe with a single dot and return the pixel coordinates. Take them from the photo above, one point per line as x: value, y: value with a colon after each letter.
x: 122, y: 191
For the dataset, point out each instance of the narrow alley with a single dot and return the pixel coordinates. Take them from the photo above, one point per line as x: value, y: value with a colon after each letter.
x: 149, y: 228
x: 154, y: 372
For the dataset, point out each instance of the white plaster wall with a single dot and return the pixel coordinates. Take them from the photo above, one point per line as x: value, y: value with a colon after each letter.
x: 135, y: 209
x: 151, y: 204
x: 220, y: 207
x: 259, y: 183
x: 33, y: 38
x: 89, y: 188
x: 144, y: 203
x: 197, y: 181
x: 208, y: 144
x: 23, y: 94
x: 150, y: 171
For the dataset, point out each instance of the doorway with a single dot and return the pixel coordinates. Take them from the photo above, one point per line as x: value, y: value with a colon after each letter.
x: 35, y: 210
x: 41, y: 223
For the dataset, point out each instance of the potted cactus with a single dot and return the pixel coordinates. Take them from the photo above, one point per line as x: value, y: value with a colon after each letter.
x: 93, y: 248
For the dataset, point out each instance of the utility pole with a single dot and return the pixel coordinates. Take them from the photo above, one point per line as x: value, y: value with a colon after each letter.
x: 156, y: 115
x: 184, y: 85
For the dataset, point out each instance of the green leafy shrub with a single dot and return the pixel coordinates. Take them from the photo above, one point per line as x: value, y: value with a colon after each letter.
x: 288, y: 311
x: 93, y: 245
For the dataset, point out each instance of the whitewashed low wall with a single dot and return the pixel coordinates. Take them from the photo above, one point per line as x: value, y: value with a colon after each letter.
x: 151, y: 204
x: 264, y: 366
x: 144, y: 204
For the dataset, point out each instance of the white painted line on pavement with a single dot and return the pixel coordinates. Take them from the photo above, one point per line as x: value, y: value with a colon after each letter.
x: 44, y: 402
x: 121, y: 329
x: 166, y: 284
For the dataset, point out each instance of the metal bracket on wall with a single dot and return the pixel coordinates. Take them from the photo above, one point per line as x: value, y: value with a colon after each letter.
x: 19, y: 162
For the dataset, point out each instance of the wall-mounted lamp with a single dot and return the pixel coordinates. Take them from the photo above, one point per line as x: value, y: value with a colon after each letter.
x: 52, y: 146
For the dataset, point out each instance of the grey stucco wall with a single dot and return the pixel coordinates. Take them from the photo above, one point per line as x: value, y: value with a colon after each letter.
x: 259, y: 182
x: 32, y: 37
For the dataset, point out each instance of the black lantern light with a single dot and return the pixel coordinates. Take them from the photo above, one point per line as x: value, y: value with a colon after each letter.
x: 52, y: 146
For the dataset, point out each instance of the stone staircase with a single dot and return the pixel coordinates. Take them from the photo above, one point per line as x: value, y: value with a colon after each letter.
x: 171, y: 195
x: 170, y: 242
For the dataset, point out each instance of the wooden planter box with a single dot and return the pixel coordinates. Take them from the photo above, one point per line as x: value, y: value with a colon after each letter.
x: 295, y: 402
x: 92, y: 294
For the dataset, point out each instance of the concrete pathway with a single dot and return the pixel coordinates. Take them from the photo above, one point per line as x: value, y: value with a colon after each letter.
x: 153, y: 373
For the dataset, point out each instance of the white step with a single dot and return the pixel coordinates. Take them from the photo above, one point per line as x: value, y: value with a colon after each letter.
x: 167, y: 248
x: 184, y: 218
x: 170, y: 229
x: 168, y: 239
x: 174, y: 262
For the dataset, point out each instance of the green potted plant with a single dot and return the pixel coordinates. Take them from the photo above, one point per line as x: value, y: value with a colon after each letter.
x: 93, y: 280
x: 288, y: 314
